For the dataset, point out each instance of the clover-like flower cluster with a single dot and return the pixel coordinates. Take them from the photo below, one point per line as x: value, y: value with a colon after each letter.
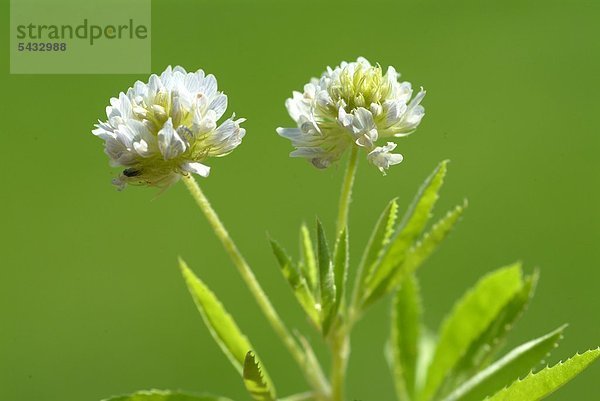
x: 167, y: 128
x: 354, y: 104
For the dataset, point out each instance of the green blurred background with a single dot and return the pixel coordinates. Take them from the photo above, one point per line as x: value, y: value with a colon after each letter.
x: 92, y: 302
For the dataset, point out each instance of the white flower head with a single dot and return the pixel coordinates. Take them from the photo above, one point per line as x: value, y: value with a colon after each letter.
x: 166, y: 128
x: 354, y: 104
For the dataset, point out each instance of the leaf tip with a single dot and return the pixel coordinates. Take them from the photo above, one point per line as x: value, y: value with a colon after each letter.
x: 185, y: 270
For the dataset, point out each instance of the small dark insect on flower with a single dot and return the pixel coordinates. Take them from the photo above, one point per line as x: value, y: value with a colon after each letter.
x: 131, y: 172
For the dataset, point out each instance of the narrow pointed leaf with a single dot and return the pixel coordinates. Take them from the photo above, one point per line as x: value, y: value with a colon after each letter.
x: 307, y: 396
x: 327, y: 280
x: 539, y: 385
x: 297, y: 282
x: 427, y: 344
x: 469, y: 318
x: 309, y: 262
x: 410, y: 228
x: 406, y: 323
x: 419, y: 253
x: 221, y: 325
x: 517, y: 363
x: 312, y: 364
x: 489, y: 342
x: 340, y: 268
x: 165, y: 395
x: 257, y: 383
x: 380, y: 237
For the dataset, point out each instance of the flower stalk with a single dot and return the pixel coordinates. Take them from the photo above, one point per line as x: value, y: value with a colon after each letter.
x: 312, y: 373
x: 340, y: 348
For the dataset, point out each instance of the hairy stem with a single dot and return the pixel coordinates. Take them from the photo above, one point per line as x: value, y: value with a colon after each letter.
x: 340, y: 348
x: 340, y: 342
x: 346, y: 194
x: 312, y: 373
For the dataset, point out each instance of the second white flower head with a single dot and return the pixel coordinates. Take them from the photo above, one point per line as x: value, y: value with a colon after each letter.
x: 354, y: 104
x: 167, y: 127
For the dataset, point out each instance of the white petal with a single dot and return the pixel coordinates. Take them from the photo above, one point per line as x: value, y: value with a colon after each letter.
x: 324, y: 99
x: 125, y: 107
x: 344, y: 118
x: 203, y: 124
x: 225, y: 138
x: 375, y: 109
x: 394, y: 109
x: 196, y: 168
x: 169, y: 142
x: 219, y: 105
x: 142, y: 148
x: 154, y: 85
x: 103, y: 133
x: 381, y: 158
x: 363, y: 120
x: 191, y: 82
x: 290, y: 133
x: 364, y: 128
x: 297, y: 106
x: 166, y: 76
x: 208, y: 85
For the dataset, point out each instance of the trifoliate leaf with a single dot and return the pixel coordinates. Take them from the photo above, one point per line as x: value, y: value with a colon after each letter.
x: 257, y: 383
x: 297, y: 282
x: 165, y: 395
x: 483, y: 349
x: 327, y: 280
x: 539, y: 385
x: 340, y: 268
x: 221, y: 325
x: 517, y: 363
x: 470, y: 317
x: 410, y: 228
x: 309, y: 262
x: 418, y: 253
x: 404, y: 341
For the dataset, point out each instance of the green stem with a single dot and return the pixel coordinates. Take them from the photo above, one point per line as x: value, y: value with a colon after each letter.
x: 300, y: 397
x: 312, y: 373
x: 340, y: 348
x: 340, y: 343
x: 346, y: 194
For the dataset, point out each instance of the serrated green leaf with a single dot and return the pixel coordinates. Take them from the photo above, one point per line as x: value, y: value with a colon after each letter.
x: 418, y: 253
x: 472, y: 314
x: 537, y: 386
x: 380, y: 237
x: 297, y: 282
x: 309, y: 262
x: 483, y: 349
x: 165, y: 395
x: 410, y: 228
x: 506, y: 370
x: 406, y: 322
x: 327, y: 280
x: 340, y: 268
x: 221, y: 325
x: 427, y: 344
x: 257, y: 383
